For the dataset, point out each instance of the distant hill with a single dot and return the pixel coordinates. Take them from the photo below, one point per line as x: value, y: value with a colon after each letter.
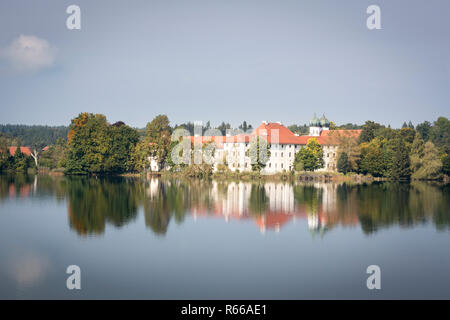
x: 40, y: 136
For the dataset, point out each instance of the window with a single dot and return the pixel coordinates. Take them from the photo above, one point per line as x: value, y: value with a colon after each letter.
x: 270, y: 165
x: 289, y: 154
x: 281, y: 166
x: 282, y: 154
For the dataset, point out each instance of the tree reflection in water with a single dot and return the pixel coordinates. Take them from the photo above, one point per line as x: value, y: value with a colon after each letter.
x: 92, y: 203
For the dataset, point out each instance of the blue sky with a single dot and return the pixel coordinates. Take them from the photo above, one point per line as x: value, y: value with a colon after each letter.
x: 225, y: 61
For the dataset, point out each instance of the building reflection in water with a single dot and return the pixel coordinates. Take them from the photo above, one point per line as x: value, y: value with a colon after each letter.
x: 93, y: 203
x: 271, y: 205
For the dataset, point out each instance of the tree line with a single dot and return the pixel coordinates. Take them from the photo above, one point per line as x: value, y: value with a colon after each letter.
x: 421, y: 152
x: 93, y: 146
x: 33, y: 136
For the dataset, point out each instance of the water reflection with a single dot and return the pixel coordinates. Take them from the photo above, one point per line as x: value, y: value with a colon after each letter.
x: 93, y: 203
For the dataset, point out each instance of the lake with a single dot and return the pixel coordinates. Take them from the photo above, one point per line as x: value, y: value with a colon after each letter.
x: 136, y: 238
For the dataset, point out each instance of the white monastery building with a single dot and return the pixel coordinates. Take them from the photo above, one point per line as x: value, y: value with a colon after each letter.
x: 282, y: 143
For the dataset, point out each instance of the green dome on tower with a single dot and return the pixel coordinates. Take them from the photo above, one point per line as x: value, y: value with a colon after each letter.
x: 324, y: 122
x: 314, y: 122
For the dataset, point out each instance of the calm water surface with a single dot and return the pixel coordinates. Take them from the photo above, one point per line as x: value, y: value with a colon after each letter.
x: 158, y: 239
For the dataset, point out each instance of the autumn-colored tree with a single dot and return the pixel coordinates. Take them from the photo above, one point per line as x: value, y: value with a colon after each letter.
x: 309, y: 158
x: 425, y: 160
x: 348, y: 143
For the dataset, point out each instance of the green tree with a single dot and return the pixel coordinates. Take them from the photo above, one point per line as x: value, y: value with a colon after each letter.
x: 372, y: 160
x: 224, y: 127
x: 446, y: 164
x: 96, y: 147
x: 122, y: 142
x: 244, y: 127
x: 424, y: 130
x: 309, y: 158
x: 4, y: 153
x: 400, y: 166
x: 39, y: 136
x: 407, y: 135
x: 343, y: 165
x: 55, y: 156
x: 440, y: 134
x: 21, y: 162
x: 416, y: 155
x: 139, y: 156
x: 259, y: 153
x: 158, y: 136
x: 425, y: 160
x: 369, y: 131
x: 88, y: 144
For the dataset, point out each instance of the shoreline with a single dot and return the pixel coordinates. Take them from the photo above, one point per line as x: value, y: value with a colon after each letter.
x: 247, y: 176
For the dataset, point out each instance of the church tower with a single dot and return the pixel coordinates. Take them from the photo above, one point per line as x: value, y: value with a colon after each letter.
x: 316, y: 126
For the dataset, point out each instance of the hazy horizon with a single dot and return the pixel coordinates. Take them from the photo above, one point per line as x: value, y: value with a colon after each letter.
x: 216, y: 124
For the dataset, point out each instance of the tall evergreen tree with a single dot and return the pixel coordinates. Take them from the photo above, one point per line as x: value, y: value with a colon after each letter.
x: 424, y: 130
x: 369, y: 131
x: 400, y: 166
x: 343, y: 165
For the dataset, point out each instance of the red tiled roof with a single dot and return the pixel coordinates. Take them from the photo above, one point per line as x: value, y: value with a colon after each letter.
x: 24, y: 150
x: 277, y: 133
x: 332, y: 136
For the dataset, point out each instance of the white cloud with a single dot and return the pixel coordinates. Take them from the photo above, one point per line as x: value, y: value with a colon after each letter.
x: 30, y: 53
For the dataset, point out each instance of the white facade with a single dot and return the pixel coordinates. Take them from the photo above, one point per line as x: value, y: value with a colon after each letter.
x: 281, y: 157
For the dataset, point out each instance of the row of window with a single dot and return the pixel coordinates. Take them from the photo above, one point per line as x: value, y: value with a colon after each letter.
x: 270, y: 146
x: 246, y: 165
x: 235, y: 153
